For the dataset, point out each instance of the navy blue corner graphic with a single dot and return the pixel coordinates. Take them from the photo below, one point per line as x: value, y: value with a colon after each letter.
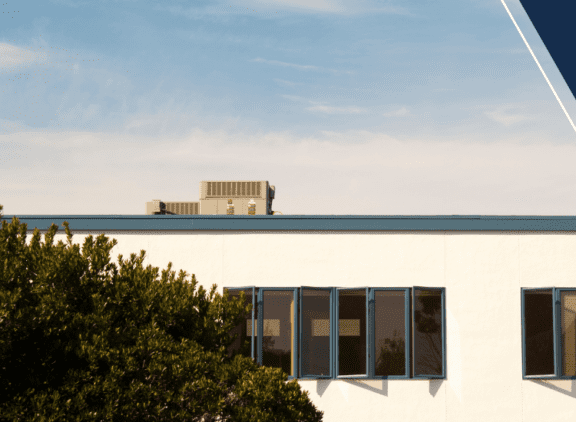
x: 555, y: 21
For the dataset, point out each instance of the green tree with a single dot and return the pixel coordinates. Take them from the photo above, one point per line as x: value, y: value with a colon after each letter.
x: 85, y: 339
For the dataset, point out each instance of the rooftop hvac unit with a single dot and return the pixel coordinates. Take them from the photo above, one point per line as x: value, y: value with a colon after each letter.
x: 249, y: 197
x: 183, y: 208
x: 222, y: 197
x: 241, y: 189
x: 175, y: 208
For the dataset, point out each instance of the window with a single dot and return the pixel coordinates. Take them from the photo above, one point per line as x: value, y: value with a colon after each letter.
x: 549, y: 333
x: 352, y: 341
x: 245, y: 332
x: 277, y: 329
x: 316, y: 332
x: 427, y: 326
x: 323, y: 333
x: 391, y: 334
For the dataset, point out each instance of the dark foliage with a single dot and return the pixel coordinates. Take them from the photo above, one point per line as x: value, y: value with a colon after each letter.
x: 86, y: 339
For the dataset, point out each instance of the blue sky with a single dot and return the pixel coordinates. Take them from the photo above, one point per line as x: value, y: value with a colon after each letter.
x: 348, y: 107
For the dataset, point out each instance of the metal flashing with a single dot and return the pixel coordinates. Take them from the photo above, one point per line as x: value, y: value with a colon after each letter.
x: 300, y: 222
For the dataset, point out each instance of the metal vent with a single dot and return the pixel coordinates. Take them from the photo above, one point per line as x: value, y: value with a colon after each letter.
x: 235, y: 189
x: 183, y: 208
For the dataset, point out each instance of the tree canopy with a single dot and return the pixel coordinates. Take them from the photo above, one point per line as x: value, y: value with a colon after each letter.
x: 83, y: 338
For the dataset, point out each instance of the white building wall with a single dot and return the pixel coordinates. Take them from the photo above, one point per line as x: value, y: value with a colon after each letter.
x: 482, y: 272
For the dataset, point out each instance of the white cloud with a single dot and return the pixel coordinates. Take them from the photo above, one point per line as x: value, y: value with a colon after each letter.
x: 287, y: 83
x: 503, y: 115
x: 398, y: 113
x: 71, y: 3
x: 285, y: 64
x: 297, y: 98
x: 315, y: 5
x: 347, y: 7
x: 12, y: 57
x: 277, y: 8
x: 356, y: 172
x: 299, y: 66
x: 336, y: 110
x: 323, y: 107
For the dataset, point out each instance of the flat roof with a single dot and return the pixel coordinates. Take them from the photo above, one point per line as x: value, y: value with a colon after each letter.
x: 302, y: 222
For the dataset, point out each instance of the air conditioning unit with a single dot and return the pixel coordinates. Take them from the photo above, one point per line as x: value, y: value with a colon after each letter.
x: 249, y: 197
x: 222, y: 197
x: 175, y: 208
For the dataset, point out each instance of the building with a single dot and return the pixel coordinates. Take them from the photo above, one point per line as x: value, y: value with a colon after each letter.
x: 396, y: 318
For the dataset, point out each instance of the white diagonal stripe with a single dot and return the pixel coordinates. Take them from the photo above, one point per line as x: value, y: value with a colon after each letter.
x: 538, y: 63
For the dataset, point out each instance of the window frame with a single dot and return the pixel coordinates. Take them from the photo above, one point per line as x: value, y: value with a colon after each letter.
x: 557, y: 332
x: 443, y: 328
x: 337, y: 334
x: 407, y: 327
x: 409, y: 299
x: 260, y: 325
x: 254, y: 304
x: 331, y: 333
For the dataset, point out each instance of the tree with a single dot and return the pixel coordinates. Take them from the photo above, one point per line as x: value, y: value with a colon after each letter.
x: 86, y: 339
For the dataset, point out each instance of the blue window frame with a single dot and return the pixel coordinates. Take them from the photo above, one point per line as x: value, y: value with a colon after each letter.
x: 352, y: 333
x: 390, y: 333
x: 359, y: 332
x: 316, y: 332
x: 277, y: 327
x: 246, y: 330
x: 429, y: 332
x: 548, y: 333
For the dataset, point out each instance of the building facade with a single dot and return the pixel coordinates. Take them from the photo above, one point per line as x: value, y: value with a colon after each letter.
x: 398, y: 318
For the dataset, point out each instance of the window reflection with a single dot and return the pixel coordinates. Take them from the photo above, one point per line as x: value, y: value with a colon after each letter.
x: 428, y: 332
x: 539, y: 331
x: 315, y: 332
x: 352, y: 332
x: 390, y: 332
x: 278, y: 330
x: 568, y: 317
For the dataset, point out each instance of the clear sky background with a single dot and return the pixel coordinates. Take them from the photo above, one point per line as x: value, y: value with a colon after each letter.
x: 347, y: 107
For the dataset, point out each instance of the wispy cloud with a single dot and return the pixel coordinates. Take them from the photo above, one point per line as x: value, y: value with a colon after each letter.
x: 324, y: 107
x: 287, y: 83
x: 306, y: 67
x: 71, y: 3
x: 12, y: 57
x: 398, y: 113
x: 331, y: 6
x: 297, y: 98
x: 504, y: 116
x: 336, y: 110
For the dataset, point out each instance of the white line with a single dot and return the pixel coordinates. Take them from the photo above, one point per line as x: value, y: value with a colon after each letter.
x: 540, y: 67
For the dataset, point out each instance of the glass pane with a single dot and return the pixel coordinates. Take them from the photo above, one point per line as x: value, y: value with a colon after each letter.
x: 428, y: 332
x: 539, y: 331
x: 242, y: 343
x: 390, y: 332
x: 352, y: 332
x: 568, y: 306
x: 315, y: 332
x: 278, y: 337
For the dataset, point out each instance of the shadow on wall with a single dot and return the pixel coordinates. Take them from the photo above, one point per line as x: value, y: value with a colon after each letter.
x: 375, y: 386
x: 566, y: 387
x: 434, y: 387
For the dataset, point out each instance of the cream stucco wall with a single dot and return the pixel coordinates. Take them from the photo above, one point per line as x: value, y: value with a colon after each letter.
x: 482, y: 272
